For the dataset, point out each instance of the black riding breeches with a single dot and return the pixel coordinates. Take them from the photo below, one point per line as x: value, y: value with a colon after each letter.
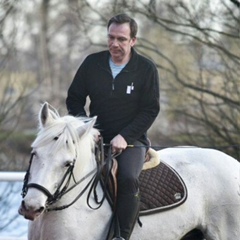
x: 130, y: 163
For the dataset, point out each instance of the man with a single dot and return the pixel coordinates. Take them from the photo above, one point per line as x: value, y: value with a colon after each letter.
x: 124, y: 95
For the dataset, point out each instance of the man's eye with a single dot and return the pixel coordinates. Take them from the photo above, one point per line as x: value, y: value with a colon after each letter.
x: 121, y: 39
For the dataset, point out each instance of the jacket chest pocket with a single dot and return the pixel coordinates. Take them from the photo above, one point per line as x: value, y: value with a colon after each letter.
x: 126, y: 94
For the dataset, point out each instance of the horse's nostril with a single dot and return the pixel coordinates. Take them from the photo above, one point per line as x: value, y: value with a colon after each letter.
x: 31, y: 209
x: 40, y: 210
x: 23, y: 204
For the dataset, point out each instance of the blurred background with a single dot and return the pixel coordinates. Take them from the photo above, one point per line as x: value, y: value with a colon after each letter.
x: 195, y: 45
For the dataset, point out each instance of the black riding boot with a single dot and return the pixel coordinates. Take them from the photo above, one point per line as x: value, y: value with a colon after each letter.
x: 127, y: 212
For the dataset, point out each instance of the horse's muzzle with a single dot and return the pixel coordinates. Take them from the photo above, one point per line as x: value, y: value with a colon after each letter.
x: 29, y: 212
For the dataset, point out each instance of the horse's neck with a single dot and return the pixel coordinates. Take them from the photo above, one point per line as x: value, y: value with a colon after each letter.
x: 89, y: 216
x: 85, y: 163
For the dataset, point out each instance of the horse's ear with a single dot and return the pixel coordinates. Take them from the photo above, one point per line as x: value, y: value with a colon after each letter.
x: 87, y: 127
x: 53, y: 111
x: 47, y: 115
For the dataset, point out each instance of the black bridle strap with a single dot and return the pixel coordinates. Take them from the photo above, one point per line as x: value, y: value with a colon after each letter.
x: 40, y: 188
x: 26, y: 177
x: 52, y: 198
x: 100, y: 165
x: 93, y: 187
x: 99, y: 179
x: 78, y: 182
x: 48, y: 209
x: 60, y: 192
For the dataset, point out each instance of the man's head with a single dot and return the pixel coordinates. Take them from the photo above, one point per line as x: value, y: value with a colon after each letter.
x: 122, y: 32
x: 124, y: 18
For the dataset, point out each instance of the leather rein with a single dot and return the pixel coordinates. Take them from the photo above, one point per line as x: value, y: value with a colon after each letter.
x: 64, y: 189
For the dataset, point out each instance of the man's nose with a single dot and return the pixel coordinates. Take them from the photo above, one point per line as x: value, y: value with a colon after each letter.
x: 115, y: 42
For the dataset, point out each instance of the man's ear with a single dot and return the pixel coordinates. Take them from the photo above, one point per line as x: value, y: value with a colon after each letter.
x: 133, y: 41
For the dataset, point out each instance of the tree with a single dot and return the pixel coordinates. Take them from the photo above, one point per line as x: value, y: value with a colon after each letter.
x: 10, y: 220
x: 203, y: 88
x: 194, y: 45
x: 16, y: 85
x: 196, y: 48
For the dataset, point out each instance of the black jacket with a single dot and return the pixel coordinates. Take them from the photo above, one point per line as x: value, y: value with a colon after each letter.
x: 126, y: 105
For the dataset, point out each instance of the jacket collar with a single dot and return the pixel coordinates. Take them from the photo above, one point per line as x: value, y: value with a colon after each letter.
x: 131, y: 65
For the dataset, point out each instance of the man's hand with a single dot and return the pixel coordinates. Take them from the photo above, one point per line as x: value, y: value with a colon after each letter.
x: 118, y: 144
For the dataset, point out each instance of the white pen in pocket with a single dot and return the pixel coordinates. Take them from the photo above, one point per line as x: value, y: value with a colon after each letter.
x: 130, y: 88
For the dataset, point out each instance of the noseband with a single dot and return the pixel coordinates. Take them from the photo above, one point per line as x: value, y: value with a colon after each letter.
x: 60, y: 191
x: 63, y: 189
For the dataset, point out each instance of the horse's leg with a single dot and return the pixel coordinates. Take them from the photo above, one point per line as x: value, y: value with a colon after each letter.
x: 224, y: 222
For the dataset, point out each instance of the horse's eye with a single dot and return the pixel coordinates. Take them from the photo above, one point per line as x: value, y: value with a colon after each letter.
x: 68, y: 164
x: 56, y: 138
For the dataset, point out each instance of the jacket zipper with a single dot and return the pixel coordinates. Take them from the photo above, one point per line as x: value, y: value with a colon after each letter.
x: 113, y: 87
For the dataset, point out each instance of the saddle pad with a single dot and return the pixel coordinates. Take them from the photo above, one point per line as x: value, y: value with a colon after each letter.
x: 161, y: 188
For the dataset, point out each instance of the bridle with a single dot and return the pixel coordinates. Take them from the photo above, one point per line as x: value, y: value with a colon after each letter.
x: 63, y: 189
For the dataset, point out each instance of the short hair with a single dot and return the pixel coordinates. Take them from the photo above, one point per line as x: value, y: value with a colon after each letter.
x: 124, y: 18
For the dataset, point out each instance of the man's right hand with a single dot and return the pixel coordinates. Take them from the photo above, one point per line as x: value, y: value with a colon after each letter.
x: 118, y: 144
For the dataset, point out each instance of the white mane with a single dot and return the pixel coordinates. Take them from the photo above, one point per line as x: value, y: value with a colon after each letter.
x: 62, y: 132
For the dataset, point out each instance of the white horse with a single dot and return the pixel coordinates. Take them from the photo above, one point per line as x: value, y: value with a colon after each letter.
x: 63, y: 143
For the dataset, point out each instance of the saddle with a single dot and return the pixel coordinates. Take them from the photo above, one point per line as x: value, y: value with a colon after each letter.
x: 161, y: 187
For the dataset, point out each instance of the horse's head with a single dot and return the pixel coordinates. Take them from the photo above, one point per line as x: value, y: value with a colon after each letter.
x: 62, y: 149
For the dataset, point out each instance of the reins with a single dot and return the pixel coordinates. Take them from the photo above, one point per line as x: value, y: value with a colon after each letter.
x: 103, y: 165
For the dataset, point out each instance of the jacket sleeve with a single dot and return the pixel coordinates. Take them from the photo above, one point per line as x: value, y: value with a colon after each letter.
x: 77, y: 93
x: 148, y: 109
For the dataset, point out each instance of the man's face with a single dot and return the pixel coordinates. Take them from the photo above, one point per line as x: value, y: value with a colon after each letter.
x: 120, y: 42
